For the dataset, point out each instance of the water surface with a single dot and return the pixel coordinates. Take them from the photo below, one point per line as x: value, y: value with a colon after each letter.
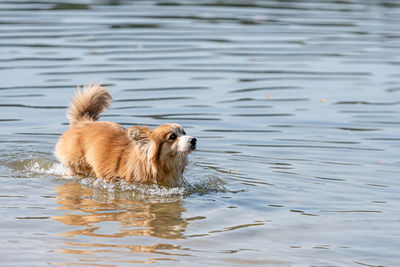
x: 295, y: 105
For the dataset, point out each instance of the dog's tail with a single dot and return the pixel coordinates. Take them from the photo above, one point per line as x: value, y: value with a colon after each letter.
x: 87, y: 105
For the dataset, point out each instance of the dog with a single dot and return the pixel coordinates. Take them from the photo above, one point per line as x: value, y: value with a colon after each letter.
x: 106, y: 149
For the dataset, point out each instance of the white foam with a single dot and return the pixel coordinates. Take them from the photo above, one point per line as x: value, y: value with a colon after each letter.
x: 54, y: 169
x: 38, y: 166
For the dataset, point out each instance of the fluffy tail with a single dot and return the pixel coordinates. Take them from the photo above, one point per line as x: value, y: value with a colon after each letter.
x: 87, y: 105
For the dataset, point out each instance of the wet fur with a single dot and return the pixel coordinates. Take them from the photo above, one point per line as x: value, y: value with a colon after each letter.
x: 106, y: 149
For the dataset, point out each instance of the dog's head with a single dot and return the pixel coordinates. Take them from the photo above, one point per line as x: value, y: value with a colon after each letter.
x: 166, y: 146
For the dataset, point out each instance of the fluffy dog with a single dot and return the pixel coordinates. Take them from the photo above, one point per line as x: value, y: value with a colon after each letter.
x: 106, y: 149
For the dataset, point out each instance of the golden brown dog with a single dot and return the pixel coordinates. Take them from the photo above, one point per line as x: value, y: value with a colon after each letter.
x: 106, y: 149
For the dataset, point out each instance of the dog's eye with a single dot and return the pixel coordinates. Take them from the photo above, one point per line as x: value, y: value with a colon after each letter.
x: 173, y: 136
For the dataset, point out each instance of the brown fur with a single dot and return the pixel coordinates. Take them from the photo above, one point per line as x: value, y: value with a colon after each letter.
x: 106, y: 149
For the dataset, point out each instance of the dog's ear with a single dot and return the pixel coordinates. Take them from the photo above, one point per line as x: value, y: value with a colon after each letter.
x: 140, y: 134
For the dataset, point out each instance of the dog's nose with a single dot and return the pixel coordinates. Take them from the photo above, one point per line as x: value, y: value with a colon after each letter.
x: 193, y: 143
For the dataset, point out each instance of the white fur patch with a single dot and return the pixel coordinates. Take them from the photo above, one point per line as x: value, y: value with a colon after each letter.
x: 184, y: 143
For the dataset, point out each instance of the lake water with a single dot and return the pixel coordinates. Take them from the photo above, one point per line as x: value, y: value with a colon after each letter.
x: 295, y: 105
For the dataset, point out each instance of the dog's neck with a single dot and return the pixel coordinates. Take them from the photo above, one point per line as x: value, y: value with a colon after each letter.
x: 150, y: 167
x: 171, y: 171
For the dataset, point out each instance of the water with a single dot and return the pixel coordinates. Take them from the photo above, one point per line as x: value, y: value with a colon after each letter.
x: 295, y: 105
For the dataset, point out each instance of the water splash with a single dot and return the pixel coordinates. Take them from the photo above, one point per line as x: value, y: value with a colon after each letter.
x: 34, y: 166
x: 43, y: 165
x: 210, y: 184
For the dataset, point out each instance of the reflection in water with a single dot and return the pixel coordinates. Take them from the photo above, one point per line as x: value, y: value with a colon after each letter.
x: 128, y: 218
